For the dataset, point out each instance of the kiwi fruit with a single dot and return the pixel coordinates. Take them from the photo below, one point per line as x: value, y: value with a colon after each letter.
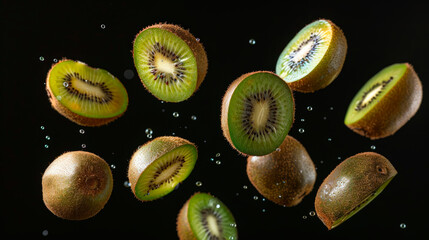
x: 353, y: 184
x: 284, y: 176
x: 205, y: 217
x: 85, y: 95
x: 77, y: 185
x: 159, y: 165
x: 314, y: 57
x: 257, y: 113
x: 386, y: 102
x: 170, y: 61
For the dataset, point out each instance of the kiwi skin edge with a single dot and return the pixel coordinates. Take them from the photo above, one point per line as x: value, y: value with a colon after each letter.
x: 184, y: 231
x: 350, y: 185
x: 284, y: 177
x: 196, y: 47
x: 74, y: 117
x: 402, y: 103
x: 328, y: 68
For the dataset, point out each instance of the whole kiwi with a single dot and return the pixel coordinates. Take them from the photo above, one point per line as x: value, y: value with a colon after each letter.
x: 285, y: 176
x: 77, y: 185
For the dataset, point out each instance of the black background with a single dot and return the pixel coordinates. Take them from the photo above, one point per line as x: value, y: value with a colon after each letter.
x: 377, y: 36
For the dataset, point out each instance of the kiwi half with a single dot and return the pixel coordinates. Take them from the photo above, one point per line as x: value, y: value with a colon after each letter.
x: 351, y: 186
x: 77, y: 185
x: 314, y: 57
x: 285, y: 176
x: 257, y: 113
x: 386, y: 102
x: 159, y: 165
x: 85, y: 95
x: 205, y: 217
x: 170, y: 61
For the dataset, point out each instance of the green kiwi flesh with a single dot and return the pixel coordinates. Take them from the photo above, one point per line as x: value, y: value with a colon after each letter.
x: 159, y: 165
x: 314, y: 57
x: 351, y: 186
x: 77, y: 185
x: 285, y: 176
x: 386, y: 102
x: 170, y: 61
x: 204, y: 216
x: 257, y: 113
x: 85, y: 95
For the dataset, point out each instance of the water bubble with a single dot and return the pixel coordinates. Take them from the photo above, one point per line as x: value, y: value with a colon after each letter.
x: 127, y: 184
x: 309, y: 108
x: 263, y: 199
x: 218, y: 162
x: 41, y: 58
x: 42, y: 127
x: 302, y: 120
x: 255, y: 197
x: 55, y: 60
x: 280, y: 196
x: 403, y: 225
x: 59, y: 98
x: 177, y: 186
x: 193, y: 117
x: 65, y: 84
x: 212, y: 159
x: 197, y: 39
x: 173, y: 133
x: 278, y: 149
x: 233, y: 225
x: 244, y: 186
x: 83, y: 145
x: 312, y: 213
x: 149, y: 136
x: 81, y: 131
x: 47, y: 137
x: 329, y: 139
x: 46, y: 146
x: 217, y: 205
x: 339, y: 158
x: 263, y: 210
x: 304, y: 217
x: 112, y: 166
x: 301, y: 130
x: 45, y: 233
x: 252, y: 41
x: 148, y: 131
x: 331, y: 108
x: 103, y: 26
x: 324, y: 118
x: 198, y: 183
x: 373, y: 147
x: 128, y: 74
x: 217, y: 154
x: 176, y: 114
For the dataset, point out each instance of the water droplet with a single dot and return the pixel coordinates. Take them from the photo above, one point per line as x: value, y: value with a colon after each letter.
x: 278, y: 149
x: 339, y: 158
x: 128, y: 74
x: 403, y: 225
x: 218, y: 162
x: 198, y: 183
x: 304, y: 217
x: 197, y: 39
x: 47, y: 137
x: 255, y: 197
x: 193, y: 117
x: 263, y: 210
x: 83, y: 145
x: 65, y: 84
x: 148, y: 131
x: 45, y: 233
x: 55, y: 60
x: 81, y: 131
x: 127, y: 184
x: 233, y: 225
x: 302, y: 120
x: 329, y: 139
x: 149, y: 136
x: 217, y: 154
x: 212, y: 159
x: 177, y: 186
x: 301, y: 130
x: 113, y: 166
x: 41, y: 58
x: 373, y: 147
x: 42, y: 127
x: 309, y: 108
x: 46, y: 146
x: 324, y: 118
x: 280, y: 196
x: 263, y: 199
x: 217, y: 205
x: 244, y: 186
x: 331, y: 108
x: 103, y: 26
x: 173, y: 133
x: 176, y: 114
x: 59, y: 98
x: 312, y: 213
x: 252, y: 41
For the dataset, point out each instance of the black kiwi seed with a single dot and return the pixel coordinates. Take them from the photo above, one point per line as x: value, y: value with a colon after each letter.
x: 360, y: 105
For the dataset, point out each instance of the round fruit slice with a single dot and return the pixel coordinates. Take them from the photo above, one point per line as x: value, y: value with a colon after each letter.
x: 386, y: 102
x: 170, y: 61
x: 284, y: 176
x: 87, y: 96
x: 257, y: 113
x: 351, y: 186
x: 205, y: 217
x: 158, y: 166
x: 77, y: 185
x: 314, y: 57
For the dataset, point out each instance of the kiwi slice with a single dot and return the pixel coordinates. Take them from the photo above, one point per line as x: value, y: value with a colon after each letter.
x: 314, y: 57
x: 257, y: 113
x: 170, y: 61
x: 386, y: 102
x: 285, y: 176
x: 351, y: 186
x: 159, y: 165
x: 204, y: 217
x: 85, y: 95
x: 77, y: 185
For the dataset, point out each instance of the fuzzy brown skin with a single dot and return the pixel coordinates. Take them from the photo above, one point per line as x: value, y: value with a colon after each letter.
x: 392, y: 111
x: 196, y: 47
x: 328, y: 68
x: 184, y: 231
x: 349, y: 184
x: 77, y: 185
x: 284, y: 177
x: 225, y: 106
x: 148, y: 153
x: 74, y: 117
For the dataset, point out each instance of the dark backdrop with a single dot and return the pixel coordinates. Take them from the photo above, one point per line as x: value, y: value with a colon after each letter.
x: 34, y: 134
